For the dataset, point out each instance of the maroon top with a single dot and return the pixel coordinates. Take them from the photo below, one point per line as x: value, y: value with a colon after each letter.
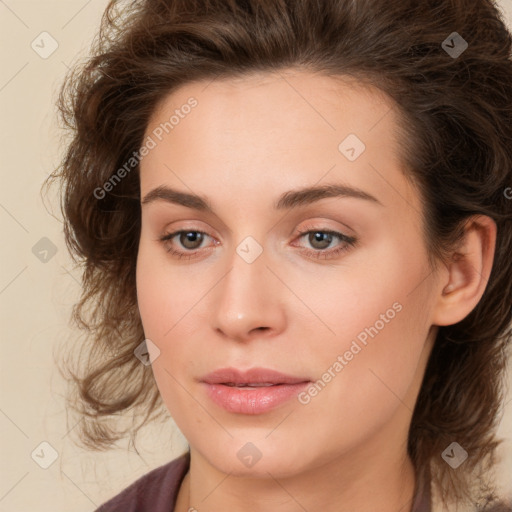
x: 157, y: 491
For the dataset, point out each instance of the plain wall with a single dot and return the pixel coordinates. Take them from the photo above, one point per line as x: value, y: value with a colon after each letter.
x: 36, y: 296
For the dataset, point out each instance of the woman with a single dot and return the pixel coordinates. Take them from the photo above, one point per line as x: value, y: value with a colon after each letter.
x: 298, y: 215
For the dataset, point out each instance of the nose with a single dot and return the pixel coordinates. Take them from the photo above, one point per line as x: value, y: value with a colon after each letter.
x: 247, y: 302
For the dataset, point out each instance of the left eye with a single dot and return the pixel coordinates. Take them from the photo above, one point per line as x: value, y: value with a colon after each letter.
x: 322, y: 238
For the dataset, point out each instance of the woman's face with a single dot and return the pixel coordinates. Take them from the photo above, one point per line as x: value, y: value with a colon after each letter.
x: 344, y: 310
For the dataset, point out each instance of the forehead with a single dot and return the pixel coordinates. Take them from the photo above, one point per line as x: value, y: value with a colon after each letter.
x: 266, y: 99
x: 270, y: 127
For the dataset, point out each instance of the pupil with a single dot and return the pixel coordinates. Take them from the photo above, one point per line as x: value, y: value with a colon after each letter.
x: 323, y: 238
x: 191, y: 238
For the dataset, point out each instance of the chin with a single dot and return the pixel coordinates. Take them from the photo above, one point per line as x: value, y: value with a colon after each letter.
x: 256, y: 459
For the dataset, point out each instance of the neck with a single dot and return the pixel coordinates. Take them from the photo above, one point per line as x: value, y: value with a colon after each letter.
x: 346, y: 484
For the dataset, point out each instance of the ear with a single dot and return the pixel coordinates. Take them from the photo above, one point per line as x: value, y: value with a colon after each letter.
x: 463, y: 281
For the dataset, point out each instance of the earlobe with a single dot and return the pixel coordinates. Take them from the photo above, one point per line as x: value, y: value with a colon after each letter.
x: 467, y: 272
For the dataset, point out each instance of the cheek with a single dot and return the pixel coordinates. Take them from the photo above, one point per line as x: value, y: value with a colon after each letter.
x: 379, y: 312
x: 157, y: 305
x: 379, y: 292
x: 164, y: 293
x: 166, y: 300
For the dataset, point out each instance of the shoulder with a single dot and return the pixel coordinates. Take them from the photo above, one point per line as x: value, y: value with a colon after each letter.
x: 155, y: 491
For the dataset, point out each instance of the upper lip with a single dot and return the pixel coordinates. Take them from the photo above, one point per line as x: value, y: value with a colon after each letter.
x: 251, y: 376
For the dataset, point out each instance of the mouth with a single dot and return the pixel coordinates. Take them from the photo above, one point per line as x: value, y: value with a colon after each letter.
x: 254, y: 391
x: 255, y: 377
x: 251, y: 384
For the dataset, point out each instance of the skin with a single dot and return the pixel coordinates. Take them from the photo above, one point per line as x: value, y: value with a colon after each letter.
x: 248, y: 141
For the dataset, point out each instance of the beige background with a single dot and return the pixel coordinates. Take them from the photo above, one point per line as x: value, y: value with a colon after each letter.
x: 36, y: 297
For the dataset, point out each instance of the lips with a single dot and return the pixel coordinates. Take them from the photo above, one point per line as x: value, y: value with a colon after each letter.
x: 256, y: 377
x: 254, y: 391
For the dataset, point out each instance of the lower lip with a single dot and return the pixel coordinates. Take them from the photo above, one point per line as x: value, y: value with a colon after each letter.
x: 253, y: 400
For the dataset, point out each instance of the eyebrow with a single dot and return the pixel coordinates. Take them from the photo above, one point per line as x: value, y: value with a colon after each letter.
x: 288, y: 200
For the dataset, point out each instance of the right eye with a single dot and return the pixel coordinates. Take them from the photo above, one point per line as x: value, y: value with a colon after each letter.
x: 189, y: 239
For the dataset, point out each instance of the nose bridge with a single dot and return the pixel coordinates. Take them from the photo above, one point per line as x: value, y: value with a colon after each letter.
x: 247, y: 298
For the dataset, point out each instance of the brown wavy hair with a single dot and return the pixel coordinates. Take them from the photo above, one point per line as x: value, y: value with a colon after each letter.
x: 456, y: 122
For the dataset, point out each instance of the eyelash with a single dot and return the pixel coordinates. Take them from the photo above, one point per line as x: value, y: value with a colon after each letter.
x: 349, y: 242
